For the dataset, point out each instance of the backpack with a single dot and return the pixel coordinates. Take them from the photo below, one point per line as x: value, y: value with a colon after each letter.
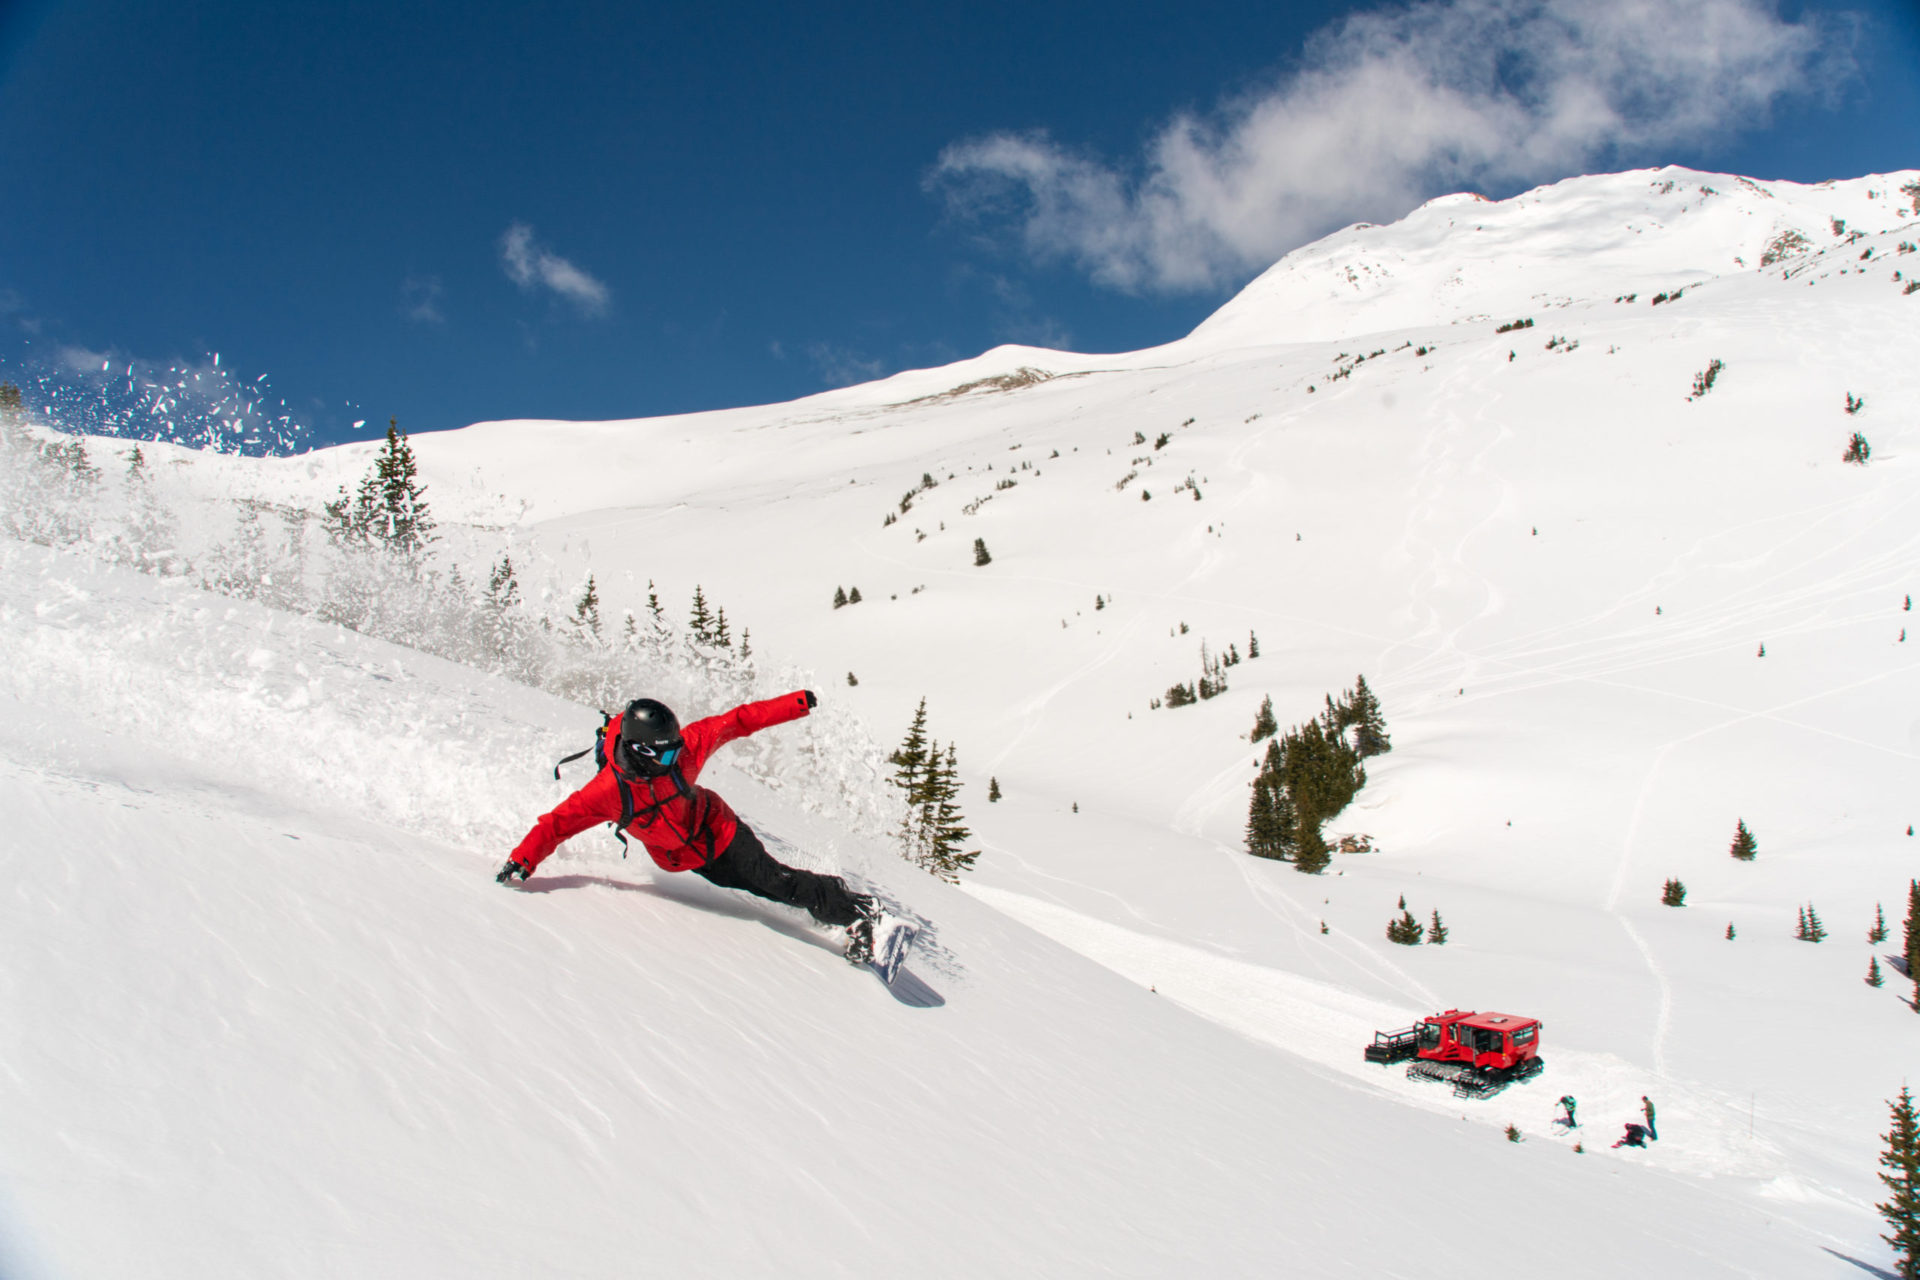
x: 608, y: 720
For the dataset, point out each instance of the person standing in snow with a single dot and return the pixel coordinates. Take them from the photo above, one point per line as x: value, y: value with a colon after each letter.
x: 1566, y: 1101
x: 647, y: 789
x: 1646, y: 1106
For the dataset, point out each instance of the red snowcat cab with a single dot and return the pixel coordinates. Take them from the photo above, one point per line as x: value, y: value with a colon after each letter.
x: 1478, y: 1053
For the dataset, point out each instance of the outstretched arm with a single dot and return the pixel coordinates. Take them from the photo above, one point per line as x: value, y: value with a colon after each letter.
x: 583, y: 809
x: 751, y: 717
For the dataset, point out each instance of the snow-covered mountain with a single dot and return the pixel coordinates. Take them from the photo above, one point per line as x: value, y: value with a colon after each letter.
x: 269, y: 996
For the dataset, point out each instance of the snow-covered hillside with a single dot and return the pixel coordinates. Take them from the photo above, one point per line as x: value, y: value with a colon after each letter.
x: 1553, y: 560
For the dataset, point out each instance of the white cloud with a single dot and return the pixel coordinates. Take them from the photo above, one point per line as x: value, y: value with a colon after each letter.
x: 1387, y: 108
x: 420, y: 298
x: 842, y: 366
x: 531, y: 265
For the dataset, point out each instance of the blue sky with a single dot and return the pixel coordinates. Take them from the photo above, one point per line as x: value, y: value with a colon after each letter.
x: 448, y: 212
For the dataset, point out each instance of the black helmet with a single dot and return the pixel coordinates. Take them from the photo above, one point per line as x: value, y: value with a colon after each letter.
x: 650, y: 742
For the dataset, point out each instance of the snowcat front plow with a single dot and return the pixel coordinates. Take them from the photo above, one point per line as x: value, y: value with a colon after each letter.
x: 1479, y: 1054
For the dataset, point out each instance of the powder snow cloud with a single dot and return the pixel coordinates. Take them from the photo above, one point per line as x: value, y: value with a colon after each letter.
x: 1387, y: 108
x: 531, y: 265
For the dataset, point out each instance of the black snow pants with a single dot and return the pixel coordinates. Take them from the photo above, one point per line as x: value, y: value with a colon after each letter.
x: 747, y: 865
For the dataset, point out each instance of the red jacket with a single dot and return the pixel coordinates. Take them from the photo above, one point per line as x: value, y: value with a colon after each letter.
x: 688, y: 829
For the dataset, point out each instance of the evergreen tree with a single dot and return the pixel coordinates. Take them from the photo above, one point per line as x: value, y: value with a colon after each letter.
x: 1406, y: 930
x: 1878, y: 933
x: 503, y: 589
x: 853, y: 596
x: 402, y: 521
x: 945, y: 834
x: 1912, y: 950
x: 700, y: 623
x: 1816, y: 932
x: 586, y: 611
x: 1310, y: 853
x: 1674, y: 894
x: 910, y: 762
x: 1371, y: 739
x: 839, y: 597
x: 1901, y: 1159
x: 993, y: 790
x: 1253, y: 645
x: 1264, y: 724
x: 853, y: 681
x: 1873, y: 972
x: 1729, y: 931
x: 720, y: 636
x: 1436, y: 931
x: 1264, y: 836
x: 1744, y: 845
x: 980, y: 555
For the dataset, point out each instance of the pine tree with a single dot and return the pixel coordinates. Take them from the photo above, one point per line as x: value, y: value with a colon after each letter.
x: 980, y: 555
x: 746, y: 642
x: 1912, y: 950
x: 1264, y: 724
x: 403, y: 522
x: 1371, y: 739
x: 1744, y: 845
x: 911, y: 762
x: 720, y: 636
x: 1816, y: 932
x: 1729, y: 931
x: 1901, y: 1159
x: 945, y: 833
x: 1310, y: 853
x: 700, y: 623
x: 1878, y: 933
x: 839, y: 597
x: 503, y: 588
x: 1406, y: 930
x: 1265, y: 838
x: 1436, y: 931
x: 853, y: 681
x: 853, y: 596
x: 993, y: 791
x: 1674, y: 894
x: 1873, y: 972
x: 586, y: 611
x: 1253, y: 645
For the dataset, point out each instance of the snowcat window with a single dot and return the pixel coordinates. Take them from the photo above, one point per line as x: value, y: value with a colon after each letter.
x: 1429, y: 1035
x: 1525, y: 1035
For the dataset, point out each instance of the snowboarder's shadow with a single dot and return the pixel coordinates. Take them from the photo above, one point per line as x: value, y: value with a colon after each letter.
x: 698, y: 895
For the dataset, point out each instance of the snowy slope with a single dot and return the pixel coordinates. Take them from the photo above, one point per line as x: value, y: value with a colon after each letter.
x: 257, y: 1031
x: 1553, y: 564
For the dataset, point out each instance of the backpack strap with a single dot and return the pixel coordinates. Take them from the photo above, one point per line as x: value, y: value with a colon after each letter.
x: 569, y: 760
x: 700, y: 829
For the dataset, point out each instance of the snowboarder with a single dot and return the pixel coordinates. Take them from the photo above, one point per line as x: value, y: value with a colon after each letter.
x: 646, y: 788
x: 1567, y: 1102
x: 1647, y: 1107
x: 1635, y: 1136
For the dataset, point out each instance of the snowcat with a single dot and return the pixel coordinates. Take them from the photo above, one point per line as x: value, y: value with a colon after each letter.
x: 1478, y: 1053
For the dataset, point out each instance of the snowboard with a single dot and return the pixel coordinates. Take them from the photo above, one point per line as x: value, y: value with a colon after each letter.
x: 892, y: 940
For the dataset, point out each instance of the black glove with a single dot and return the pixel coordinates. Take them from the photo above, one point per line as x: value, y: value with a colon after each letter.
x: 511, y: 872
x: 812, y: 701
